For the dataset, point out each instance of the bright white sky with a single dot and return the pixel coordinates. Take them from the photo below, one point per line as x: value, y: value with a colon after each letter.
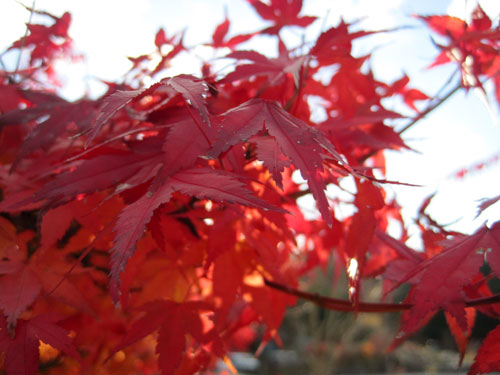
x: 460, y: 133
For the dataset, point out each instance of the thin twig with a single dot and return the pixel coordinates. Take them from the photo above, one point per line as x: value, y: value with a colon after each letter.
x: 421, y: 115
x: 367, y: 307
x: 443, y: 99
x: 115, y: 138
x: 431, y: 108
x: 339, y: 304
x: 32, y: 11
x: 2, y: 64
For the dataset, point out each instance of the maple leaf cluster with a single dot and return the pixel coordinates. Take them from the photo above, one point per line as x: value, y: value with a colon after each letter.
x: 472, y: 45
x: 167, y: 215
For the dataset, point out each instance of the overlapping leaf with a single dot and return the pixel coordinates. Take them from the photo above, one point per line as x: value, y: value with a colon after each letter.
x: 259, y: 64
x: 98, y: 173
x: 192, y: 89
x: 166, y: 163
x: 197, y: 182
x: 188, y: 138
x: 52, y: 121
x: 22, y: 350
x: 487, y: 360
x: 19, y: 290
x: 301, y: 143
x: 173, y: 321
x: 444, y: 275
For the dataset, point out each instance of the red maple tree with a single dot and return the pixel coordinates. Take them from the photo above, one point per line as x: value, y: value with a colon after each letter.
x: 142, y: 230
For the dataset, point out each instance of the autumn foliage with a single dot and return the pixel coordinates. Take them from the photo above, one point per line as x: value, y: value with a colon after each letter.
x: 145, y: 230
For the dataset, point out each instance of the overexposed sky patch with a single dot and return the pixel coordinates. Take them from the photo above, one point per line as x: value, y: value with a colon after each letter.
x: 462, y: 9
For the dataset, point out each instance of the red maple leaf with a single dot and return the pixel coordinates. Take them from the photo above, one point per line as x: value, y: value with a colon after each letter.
x: 474, y: 46
x: 110, y: 105
x: 335, y: 44
x: 19, y: 290
x: 176, y: 44
x: 198, y: 182
x: 173, y: 321
x: 51, y: 120
x: 188, y: 138
x: 486, y: 203
x: 43, y: 38
x: 281, y: 13
x: 461, y: 337
x: 21, y: 350
x: 487, y: 356
x: 25, y: 280
x: 220, y: 33
x: 19, y: 283
x: 101, y: 172
x: 301, y: 143
x: 179, y: 205
x: 368, y: 200
x: 410, y: 95
x: 268, y: 150
x: 443, y: 276
x: 274, y: 69
x: 192, y: 89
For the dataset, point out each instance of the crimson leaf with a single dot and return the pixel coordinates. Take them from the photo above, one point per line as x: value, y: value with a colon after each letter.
x: 301, y: 143
x: 444, y: 275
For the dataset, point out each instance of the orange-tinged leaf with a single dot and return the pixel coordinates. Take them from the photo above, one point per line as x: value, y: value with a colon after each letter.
x: 269, y: 152
x: 197, y: 182
x: 173, y: 321
x: 44, y: 327
x: 446, y: 25
x: 461, y: 337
